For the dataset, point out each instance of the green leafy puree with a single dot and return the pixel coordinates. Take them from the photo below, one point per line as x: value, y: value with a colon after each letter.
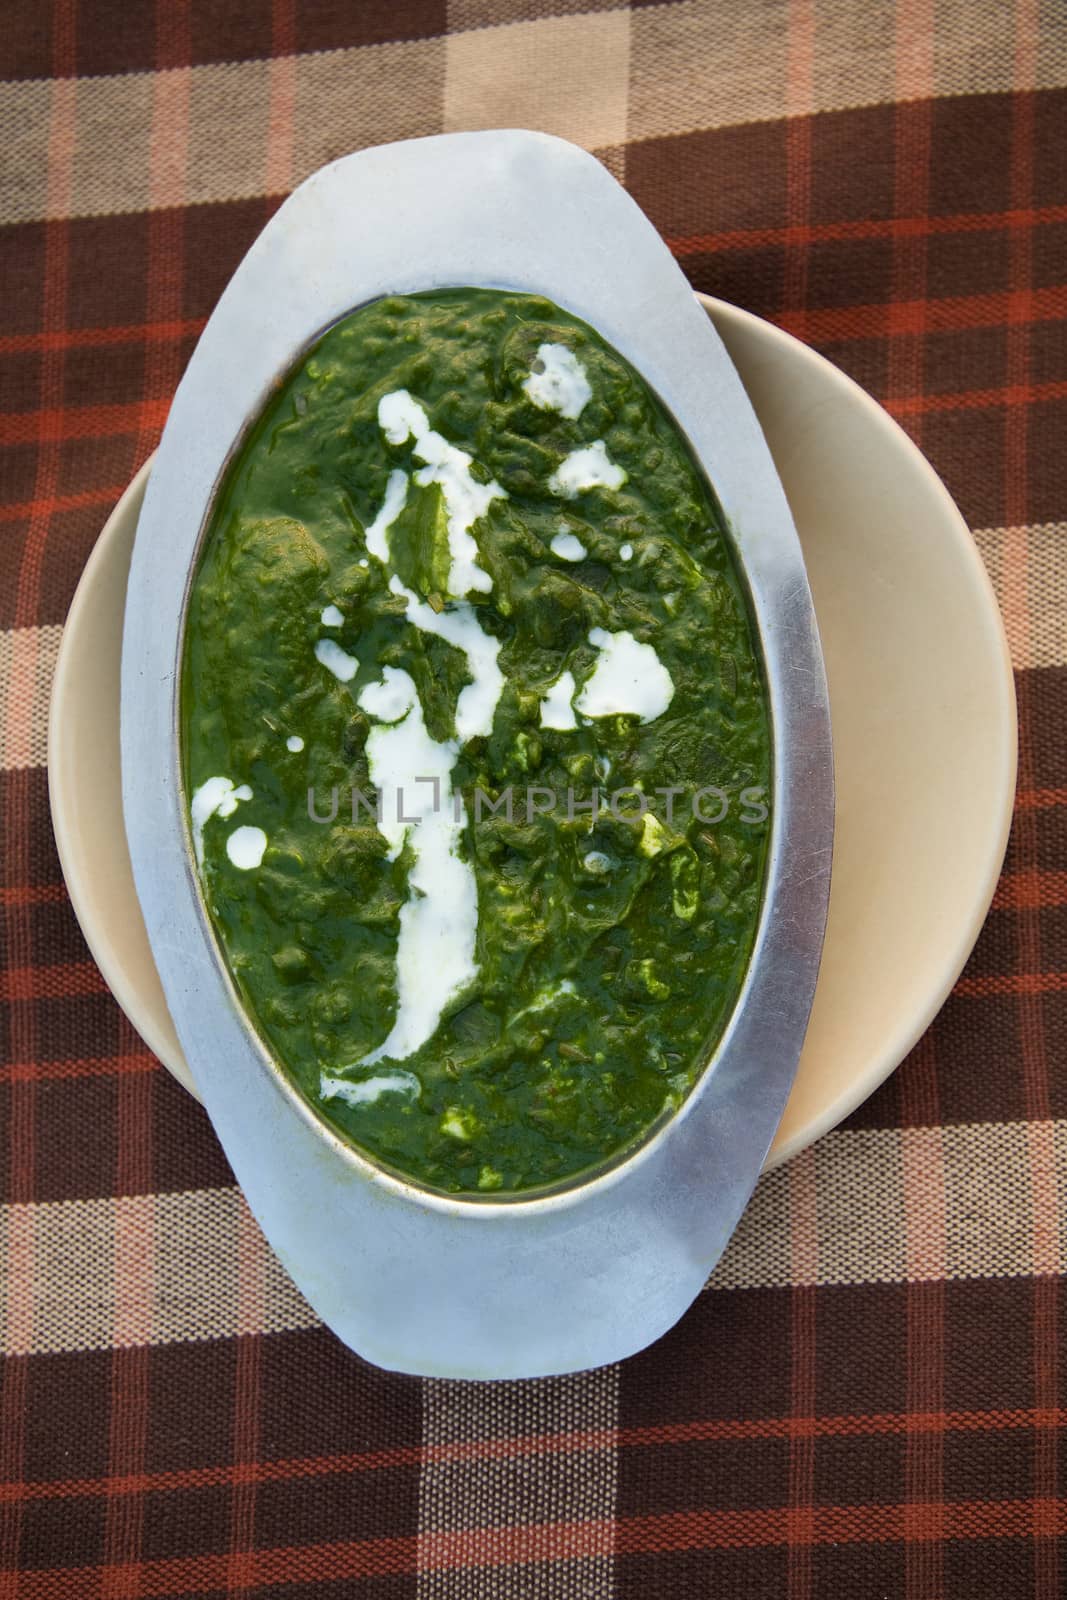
x: 526, y: 1080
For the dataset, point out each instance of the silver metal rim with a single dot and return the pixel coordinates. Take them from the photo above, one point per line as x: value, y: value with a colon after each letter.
x: 525, y: 211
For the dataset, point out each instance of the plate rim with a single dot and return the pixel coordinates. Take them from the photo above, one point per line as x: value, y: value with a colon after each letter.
x: 909, y: 1032
x: 832, y: 1111
x: 62, y: 787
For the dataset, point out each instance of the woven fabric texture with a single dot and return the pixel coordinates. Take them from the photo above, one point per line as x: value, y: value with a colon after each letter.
x: 869, y: 1398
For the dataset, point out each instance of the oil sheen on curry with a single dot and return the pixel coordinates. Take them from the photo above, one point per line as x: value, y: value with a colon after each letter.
x: 475, y: 743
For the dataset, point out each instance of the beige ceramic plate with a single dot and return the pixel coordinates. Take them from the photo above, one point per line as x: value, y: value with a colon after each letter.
x: 923, y: 710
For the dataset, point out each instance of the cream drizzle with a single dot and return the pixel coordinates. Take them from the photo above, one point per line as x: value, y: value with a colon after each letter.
x: 245, y: 847
x: 343, y: 666
x: 568, y: 547
x: 556, y: 709
x: 401, y: 418
x: 561, y: 384
x: 439, y: 920
x: 629, y: 677
x: 589, y: 467
x: 376, y: 533
x: 477, y: 701
x: 216, y: 797
x: 365, y: 1091
x: 412, y: 771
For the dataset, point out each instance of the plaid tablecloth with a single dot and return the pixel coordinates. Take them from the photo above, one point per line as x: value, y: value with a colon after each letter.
x: 868, y: 1400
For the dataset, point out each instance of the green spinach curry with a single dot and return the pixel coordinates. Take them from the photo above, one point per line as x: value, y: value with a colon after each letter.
x: 475, y: 741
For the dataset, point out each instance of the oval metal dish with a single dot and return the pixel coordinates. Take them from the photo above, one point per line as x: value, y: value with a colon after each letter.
x: 417, y: 1282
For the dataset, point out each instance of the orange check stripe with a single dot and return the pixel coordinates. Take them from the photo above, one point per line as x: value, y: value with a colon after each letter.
x: 867, y: 228
x: 938, y: 315
x: 33, y: 894
x: 51, y: 983
x: 134, y: 1061
x: 712, y: 1430
x: 1013, y: 983
x: 1031, y: 889
x: 82, y: 422
x: 100, y: 338
x: 543, y: 1542
x: 24, y: 510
